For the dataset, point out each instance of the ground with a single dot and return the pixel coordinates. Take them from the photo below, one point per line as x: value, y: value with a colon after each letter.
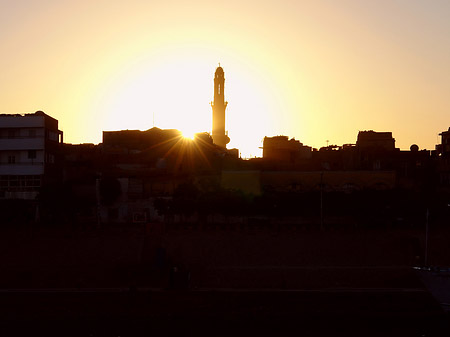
x: 229, y: 281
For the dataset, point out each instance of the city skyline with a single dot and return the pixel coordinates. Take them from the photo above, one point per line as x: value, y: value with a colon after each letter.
x: 316, y: 71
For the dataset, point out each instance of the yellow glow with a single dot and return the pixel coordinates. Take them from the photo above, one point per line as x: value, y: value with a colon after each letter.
x: 188, y: 136
x: 313, y: 70
x: 175, y: 93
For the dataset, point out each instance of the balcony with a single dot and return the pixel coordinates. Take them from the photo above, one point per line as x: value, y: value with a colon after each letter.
x: 35, y: 168
x: 18, y: 143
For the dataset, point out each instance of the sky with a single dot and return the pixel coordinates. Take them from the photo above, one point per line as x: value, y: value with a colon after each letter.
x: 316, y: 71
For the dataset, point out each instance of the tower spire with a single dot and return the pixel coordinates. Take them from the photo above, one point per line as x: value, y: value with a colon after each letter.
x: 219, y: 105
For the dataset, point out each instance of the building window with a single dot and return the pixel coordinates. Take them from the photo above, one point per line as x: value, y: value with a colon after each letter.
x: 31, y: 154
x: 32, y: 133
x: 376, y: 165
x: 53, y: 136
x: 50, y: 158
x: 11, y: 159
x: 12, y: 133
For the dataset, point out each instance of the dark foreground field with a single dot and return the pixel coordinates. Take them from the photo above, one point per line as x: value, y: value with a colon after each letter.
x: 120, y: 281
x: 117, y: 312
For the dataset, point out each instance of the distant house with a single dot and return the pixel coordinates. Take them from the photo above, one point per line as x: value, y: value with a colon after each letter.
x: 375, y: 141
x: 29, y: 147
x: 443, y: 151
x: 136, y: 141
x: 444, y: 147
x: 376, y: 150
x: 285, y: 150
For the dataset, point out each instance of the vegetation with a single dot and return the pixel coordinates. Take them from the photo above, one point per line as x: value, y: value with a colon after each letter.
x: 364, y: 208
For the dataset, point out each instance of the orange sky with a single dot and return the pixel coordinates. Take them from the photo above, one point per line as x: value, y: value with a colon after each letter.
x: 313, y: 70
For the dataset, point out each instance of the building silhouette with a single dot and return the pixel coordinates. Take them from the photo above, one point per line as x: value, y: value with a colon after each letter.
x: 219, y: 135
x: 283, y: 149
x: 443, y: 150
x: 444, y: 147
x: 29, y: 151
x: 373, y: 140
x: 125, y: 176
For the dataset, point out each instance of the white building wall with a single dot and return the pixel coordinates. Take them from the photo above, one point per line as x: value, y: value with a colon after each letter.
x: 22, y: 143
x: 22, y: 157
x: 23, y: 153
x: 22, y: 122
x: 26, y: 195
x: 22, y: 169
x: 26, y: 160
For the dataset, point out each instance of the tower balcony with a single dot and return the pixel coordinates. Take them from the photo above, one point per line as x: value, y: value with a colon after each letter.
x: 221, y: 140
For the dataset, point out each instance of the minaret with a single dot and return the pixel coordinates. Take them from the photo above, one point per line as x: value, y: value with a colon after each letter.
x: 219, y: 105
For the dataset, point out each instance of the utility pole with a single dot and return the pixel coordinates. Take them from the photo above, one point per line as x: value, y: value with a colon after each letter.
x: 426, y: 237
x: 321, y: 201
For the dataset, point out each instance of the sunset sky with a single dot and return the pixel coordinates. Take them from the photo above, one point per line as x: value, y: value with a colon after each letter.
x: 314, y: 70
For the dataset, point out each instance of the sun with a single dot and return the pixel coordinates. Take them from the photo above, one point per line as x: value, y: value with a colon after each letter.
x: 188, y: 135
x: 175, y: 93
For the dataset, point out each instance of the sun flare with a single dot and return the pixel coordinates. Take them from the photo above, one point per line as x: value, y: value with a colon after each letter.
x: 176, y: 94
x: 188, y: 135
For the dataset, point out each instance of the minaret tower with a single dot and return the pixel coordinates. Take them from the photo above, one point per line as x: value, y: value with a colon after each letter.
x: 219, y: 105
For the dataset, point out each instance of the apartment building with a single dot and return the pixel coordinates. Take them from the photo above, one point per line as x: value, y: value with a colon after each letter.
x: 29, y: 154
